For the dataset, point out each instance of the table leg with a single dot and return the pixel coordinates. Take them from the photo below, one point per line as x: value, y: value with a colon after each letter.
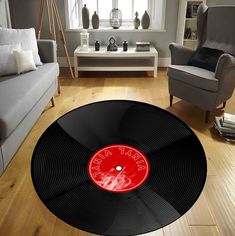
x: 76, y: 66
x: 155, y: 66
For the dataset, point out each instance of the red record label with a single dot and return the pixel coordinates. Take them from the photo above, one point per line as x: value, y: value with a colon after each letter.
x: 118, y: 168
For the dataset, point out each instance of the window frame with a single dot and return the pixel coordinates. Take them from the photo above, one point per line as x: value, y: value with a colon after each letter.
x: 127, y: 25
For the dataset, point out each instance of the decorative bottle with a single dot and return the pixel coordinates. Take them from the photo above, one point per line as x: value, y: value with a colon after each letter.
x: 84, y: 40
x: 125, y: 46
x: 95, y: 21
x: 97, y: 46
x: 145, y: 21
x: 136, y: 21
x: 85, y: 17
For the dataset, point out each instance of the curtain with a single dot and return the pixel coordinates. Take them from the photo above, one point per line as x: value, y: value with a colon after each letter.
x: 156, y: 10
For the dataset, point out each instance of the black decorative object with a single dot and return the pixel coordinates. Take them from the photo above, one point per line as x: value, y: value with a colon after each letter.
x: 125, y: 46
x: 112, y: 45
x: 145, y: 21
x: 187, y: 33
x: 95, y: 21
x: 85, y: 17
x: 136, y: 21
x: 97, y: 46
x: 115, y: 18
x: 133, y: 169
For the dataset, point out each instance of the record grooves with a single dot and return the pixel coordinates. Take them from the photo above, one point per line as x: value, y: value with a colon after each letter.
x: 118, y: 168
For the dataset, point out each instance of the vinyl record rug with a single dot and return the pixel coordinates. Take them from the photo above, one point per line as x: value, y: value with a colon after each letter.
x: 118, y: 168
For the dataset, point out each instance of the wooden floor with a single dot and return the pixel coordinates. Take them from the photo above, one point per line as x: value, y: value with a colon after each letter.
x: 23, y: 214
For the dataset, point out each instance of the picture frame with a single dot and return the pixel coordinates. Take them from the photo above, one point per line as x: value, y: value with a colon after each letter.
x: 194, y: 8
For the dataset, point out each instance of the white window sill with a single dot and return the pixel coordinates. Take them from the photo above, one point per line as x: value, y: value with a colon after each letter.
x: 117, y: 30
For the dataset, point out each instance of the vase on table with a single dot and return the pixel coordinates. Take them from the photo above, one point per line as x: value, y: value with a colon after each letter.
x: 95, y: 21
x: 145, y: 21
x: 136, y: 21
x: 85, y: 17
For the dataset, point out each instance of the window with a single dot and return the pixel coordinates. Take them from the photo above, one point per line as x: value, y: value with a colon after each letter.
x: 155, y: 8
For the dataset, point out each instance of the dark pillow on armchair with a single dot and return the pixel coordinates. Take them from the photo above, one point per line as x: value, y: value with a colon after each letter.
x: 205, y: 58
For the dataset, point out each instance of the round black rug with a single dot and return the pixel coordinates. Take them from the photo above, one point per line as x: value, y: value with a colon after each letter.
x: 119, y: 168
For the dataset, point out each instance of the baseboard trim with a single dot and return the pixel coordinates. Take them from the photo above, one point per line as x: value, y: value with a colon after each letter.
x: 162, y: 62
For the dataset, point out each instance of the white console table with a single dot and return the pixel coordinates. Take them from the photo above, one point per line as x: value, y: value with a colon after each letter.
x: 103, y: 60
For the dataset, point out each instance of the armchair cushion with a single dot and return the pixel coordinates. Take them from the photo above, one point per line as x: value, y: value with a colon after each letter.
x: 205, y: 58
x: 194, y: 76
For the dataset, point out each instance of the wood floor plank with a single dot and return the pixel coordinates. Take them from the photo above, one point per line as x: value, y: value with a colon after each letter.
x: 220, y: 204
x: 63, y: 229
x: 10, y: 184
x: 229, y: 183
x: 179, y: 227
x: 205, y: 231
x: 231, y: 156
x: 28, y: 216
x: 4, y: 207
x: 211, y: 169
x: 154, y: 233
x: 225, y: 171
x: 196, y: 217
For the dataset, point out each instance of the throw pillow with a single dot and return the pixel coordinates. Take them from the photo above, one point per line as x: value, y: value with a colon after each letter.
x: 205, y: 58
x: 7, y: 60
x: 24, y: 61
x: 26, y: 37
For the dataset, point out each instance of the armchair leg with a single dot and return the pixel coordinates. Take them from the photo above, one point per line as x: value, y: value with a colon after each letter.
x: 58, y: 89
x: 171, y: 100
x: 53, y: 101
x: 224, y: 104
x: 207, y: 116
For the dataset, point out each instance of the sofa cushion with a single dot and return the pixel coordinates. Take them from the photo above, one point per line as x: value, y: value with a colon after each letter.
x: 18, y: 95
x: 205, y: 58
x: 24, y: 61
x: 26, y: 37
x: 7, y: 60
x: 194, y: 76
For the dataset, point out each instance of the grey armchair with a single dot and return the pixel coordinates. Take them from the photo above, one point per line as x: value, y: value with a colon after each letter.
x: 198, y: 86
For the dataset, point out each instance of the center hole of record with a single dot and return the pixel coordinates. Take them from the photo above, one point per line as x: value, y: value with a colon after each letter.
x: 118, y: 168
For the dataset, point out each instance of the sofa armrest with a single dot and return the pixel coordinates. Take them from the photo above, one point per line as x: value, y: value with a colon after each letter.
x: 180, y: 55
x: 47, y: 50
